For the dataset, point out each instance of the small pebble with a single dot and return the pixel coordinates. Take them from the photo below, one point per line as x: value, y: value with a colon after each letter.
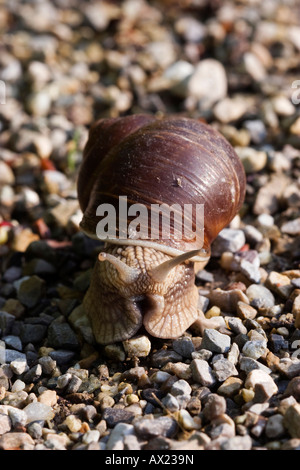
x: 237, y: 443
x: 279, y: 283
x: 215, y: 341
x: 92, y: 435
x: 170, y: 403
x: 230, y: 387
x: 223, y: 369
x: 116, y: 438
x: 30, y: 290
x: 183, y: 346
x: 255, y: 349
x: 215, y: 406
x: 18, y: 385
x: 16, y: 440
x: 187, y: 421
x: 261, y: 378
x: 275, y: 426
x: 260, y: 296
x: 38, y: 411
x: 228, y: 240
x: 202, y: 372
x: 148, y: 428
x: 252, y: 160
x: 74, y: 424
x: 139, y: 346
x: 292, y: 420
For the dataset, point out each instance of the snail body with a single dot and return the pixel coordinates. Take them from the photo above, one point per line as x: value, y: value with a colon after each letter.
x: 141, y: 281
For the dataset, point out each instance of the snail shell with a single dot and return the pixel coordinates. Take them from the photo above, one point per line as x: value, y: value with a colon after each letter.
x: 177, y: 160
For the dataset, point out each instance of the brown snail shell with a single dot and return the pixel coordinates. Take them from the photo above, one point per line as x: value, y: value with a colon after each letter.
x: 173, y: 160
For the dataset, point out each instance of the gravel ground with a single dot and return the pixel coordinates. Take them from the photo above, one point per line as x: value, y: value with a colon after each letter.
x: 65, y: 63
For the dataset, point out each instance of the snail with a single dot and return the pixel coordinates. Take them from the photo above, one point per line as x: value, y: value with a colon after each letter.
x: 140, y: 282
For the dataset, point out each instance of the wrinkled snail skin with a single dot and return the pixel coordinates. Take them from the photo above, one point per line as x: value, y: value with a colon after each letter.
x: 150, y: 283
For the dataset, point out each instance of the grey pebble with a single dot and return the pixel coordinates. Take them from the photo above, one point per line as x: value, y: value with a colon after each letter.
x: 17, y: 416
x: 257, y: 130
x: 214, y: 407
x: 61, y: 336
x: 182, y: 391
x: 63, y: 380
x: 184, y: 346
x: 228, y: 240
x: 252, y: 234
x: 223, y: 368
x: 13, y: 355
x: 131, y: 442
x: 33, y: 374
x: 6, y: 322
x: 296, y: 283
x: 40, y: 267
x: 48, y: 364
x: 181, y: 387
x: 32, y: 333
x: 204, y: 354
x: 202, y: 372
x: 148, y: 428
x: 114, y: 416
x: 255, y: 348
x: 215, y: 341
x: 203, y: 303
x: 275, y: 426
x: 236, y: 325
x: 247, y: 364
x: 12, y: 274
x: 13, y: 342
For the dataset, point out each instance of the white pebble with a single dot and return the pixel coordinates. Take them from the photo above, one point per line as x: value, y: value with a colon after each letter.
x: 260, y: 377
x: 18, y: 385
x: 38, y: 411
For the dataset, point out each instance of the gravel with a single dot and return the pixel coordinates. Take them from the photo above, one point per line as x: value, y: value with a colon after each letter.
x: 231, y: 388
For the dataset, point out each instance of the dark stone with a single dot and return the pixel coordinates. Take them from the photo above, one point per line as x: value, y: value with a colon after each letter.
x: 62, y: 356
x: 4, y: 380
